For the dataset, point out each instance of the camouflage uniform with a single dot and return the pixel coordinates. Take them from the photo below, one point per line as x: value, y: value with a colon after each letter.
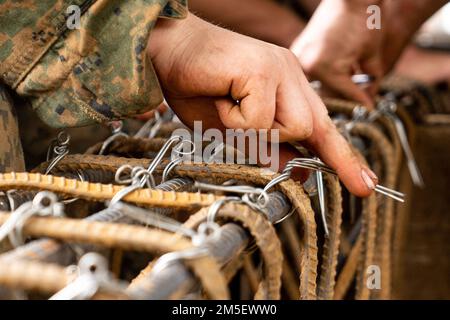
x: 10, y: 147
x: 97, y: 73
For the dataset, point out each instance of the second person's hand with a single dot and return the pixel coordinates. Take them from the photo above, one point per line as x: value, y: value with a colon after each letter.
x: 337, y: 43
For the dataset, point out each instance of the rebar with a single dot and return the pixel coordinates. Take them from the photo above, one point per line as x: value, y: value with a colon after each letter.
x: 102, y: 192
x: 231, y: 243
x: 53, y: 251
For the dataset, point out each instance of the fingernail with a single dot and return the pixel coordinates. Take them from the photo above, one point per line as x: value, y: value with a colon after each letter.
x: 372, y: 175
x: 367, y: 179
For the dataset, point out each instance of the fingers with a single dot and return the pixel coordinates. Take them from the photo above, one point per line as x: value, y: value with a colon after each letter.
x: 200, y: 109
x: 197, y: 109
x: 256, y: 108
x: 293, y: 114
x: 335, y: 151
x: 373, y: 66
x: 276, y: 102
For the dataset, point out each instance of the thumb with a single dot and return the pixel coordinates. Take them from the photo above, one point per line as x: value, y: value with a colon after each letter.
x: 256, y: 110
x: 334, y: 150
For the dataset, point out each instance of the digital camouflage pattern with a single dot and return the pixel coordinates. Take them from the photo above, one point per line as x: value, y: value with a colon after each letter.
x: 79, y: 77
x: 11, y: 155
x: 97, y: 73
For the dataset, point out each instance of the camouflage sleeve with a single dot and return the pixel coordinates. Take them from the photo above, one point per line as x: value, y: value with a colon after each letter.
x: 11, y: 155
x: 97, y: 72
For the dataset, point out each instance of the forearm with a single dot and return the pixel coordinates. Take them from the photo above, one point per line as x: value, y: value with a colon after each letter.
x: 262, y: 19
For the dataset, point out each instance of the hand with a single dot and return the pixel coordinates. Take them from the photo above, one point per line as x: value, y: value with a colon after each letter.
x: 204, y: 70
x: 337, y: 44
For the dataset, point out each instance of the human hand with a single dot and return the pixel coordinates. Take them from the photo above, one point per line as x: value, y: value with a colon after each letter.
x: 204, y: 70
x: 336, y: 44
